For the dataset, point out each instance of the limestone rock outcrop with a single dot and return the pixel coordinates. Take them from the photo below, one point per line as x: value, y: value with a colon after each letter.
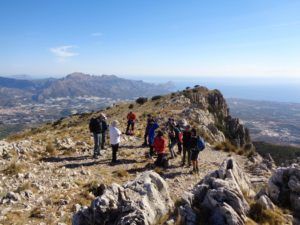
x: 143, y: 201
x: 220, y: 195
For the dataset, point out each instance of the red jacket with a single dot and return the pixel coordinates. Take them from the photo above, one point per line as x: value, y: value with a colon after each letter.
x: 160, y: 145
x: 131, y: 116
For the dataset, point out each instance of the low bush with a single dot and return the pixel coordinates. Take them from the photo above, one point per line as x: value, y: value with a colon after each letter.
x: 131, y: 106
x: 141, y: 100
x: 14, y: 168
x: 157, y: 97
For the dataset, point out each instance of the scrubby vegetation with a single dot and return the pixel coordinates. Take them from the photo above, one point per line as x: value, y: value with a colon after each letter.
x: 141, y: 100
x: 279, y: 153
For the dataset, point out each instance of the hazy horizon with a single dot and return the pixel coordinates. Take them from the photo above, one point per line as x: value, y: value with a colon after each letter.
x: 199, y: 38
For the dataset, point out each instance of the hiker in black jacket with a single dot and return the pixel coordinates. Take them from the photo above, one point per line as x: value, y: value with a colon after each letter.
x: 96, y: 128
x: 186, y: 139
x: 148, y: 126
x: 194, y: 150
x: 104, y: 129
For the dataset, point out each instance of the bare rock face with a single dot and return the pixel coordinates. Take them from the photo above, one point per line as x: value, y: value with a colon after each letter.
x: 143, y: 201
x: 284, y: 188
x: 221, y: 196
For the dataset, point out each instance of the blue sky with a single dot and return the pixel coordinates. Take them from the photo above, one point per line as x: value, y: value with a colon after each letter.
x: 248, y: 38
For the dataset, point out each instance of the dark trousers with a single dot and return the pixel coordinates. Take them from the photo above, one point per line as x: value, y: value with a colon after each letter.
x: 97, y: 143
x: 115, y: 149
x: 103, y: 140
x: 159, y: 160
x: 186, y: 152
x: 146, y: 137
x: 130, y: 126
x: 151, y: 150
x: 179, y: 145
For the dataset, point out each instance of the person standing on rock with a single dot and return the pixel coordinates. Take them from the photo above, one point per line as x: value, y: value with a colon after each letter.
x: 160, y: 145
x: 149, y: 120
x: 104, y: 129
x: 95, y: 127
x: 186, y: 139
x: 115, y: 138
x: 131, y: 117
x: 153, y: 127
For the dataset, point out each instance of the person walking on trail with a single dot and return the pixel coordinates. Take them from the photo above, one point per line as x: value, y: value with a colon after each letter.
x: 197, y: 144
x: 153, y: 127
x: 160, y: 145
x: 115, y: 138
x: 186, y: 139
x: 149, y: 120
x: 104, y: 130
x: 131, y: 117
x: 95, y: 127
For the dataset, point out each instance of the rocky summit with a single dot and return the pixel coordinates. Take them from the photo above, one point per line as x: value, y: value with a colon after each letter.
x: 48, y: 175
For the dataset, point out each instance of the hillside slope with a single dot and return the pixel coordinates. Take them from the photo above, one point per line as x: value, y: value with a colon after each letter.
x: 47, y: 173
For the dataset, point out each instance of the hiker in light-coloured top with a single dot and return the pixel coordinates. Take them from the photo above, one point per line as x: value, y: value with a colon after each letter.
x: 115, y: 138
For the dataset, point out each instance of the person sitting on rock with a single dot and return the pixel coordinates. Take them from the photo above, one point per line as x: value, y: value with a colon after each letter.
x: 95, y: 127
x: 160, y: 144
x: 115, y: 138
x: 131, y: 117
x: 151, y: 135
x: 194, y: 150
x: 186, y: 139
x: 149, y: 120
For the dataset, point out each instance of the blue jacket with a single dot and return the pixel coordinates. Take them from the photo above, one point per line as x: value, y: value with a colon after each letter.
x: 151, y: 134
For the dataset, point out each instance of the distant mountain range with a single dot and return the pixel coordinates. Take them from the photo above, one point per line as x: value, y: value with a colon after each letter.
x: 15, y: 90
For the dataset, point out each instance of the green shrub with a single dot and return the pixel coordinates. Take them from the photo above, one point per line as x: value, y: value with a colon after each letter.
x: 157, y: 97
x: 141, y: 100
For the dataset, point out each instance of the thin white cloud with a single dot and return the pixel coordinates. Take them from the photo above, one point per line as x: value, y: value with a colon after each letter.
x: 96, y: 34
x: 63, y: 52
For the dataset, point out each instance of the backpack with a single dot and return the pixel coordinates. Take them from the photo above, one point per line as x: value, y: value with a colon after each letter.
x: 180, y: 137
x: 94, y: 126
x: 200, y: 144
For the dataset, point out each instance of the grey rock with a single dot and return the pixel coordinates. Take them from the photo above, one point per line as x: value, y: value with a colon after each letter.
x: 142, y: 201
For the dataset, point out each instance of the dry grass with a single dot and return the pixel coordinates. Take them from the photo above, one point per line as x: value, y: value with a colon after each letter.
x: 14, y: 168
x: 266, y: 216
x: 50, y: 149
x: 226, y: 146
x: 121, y: 173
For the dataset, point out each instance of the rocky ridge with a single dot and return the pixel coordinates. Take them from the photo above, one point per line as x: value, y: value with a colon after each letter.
x: 47, y: 173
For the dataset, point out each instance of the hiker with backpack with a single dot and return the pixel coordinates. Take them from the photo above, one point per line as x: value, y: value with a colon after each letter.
x: 115, y: 138
x: 197, y: 145
x: 104, y: 130
x: 186, y: 139
x: 160, y: 144
x: 151, y: 135
x: 131, y: 117
x: 149, y: 120
x: 95, y: 127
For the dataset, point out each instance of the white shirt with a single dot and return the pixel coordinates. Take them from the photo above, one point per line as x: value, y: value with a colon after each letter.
x: 115, y: 135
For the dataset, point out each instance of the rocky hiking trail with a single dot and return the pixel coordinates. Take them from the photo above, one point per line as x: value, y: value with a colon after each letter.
x: 51, y: 189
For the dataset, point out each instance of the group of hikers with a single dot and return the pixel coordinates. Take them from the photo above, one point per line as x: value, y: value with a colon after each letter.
x: 159, y: 137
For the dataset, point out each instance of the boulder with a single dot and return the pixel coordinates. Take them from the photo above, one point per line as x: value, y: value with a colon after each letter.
x: 143, y: 201
x: 284, y: 188
x: 221, y: 195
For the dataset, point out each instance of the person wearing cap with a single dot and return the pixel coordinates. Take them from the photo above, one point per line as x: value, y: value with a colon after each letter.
x: 115, y: 138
